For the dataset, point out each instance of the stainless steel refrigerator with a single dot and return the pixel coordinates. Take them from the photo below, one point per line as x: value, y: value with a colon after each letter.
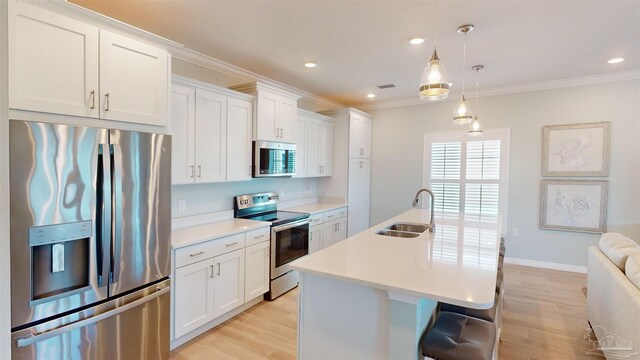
x: 90, y: 242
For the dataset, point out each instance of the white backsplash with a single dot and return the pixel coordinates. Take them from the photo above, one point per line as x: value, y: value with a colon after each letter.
x: 211, y: 198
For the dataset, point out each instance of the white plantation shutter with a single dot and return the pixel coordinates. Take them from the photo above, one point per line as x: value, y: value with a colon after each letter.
x: 467, y: 174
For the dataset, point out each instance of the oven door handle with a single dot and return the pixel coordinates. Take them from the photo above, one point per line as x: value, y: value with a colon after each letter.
x: 291, y: 225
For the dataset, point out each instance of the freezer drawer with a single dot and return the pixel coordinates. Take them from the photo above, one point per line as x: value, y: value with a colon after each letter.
x: 135, y: 326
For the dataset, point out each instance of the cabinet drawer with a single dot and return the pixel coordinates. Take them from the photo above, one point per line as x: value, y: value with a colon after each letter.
x: 335, y: 214
x: 316, y: 219
x: 259, y: 235
x: 198, y: 252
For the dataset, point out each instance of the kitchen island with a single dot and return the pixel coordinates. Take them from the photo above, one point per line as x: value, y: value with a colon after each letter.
x: 371, y: 296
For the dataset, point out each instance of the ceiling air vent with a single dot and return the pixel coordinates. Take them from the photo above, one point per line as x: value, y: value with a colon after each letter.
x: 387, y: 86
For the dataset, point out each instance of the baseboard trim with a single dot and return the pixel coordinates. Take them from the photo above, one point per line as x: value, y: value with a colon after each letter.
x: 546, y: 265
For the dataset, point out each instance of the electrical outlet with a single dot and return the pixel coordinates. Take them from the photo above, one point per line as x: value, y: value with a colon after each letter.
x: 308, y: 190
x: 182, y: 205
x: 515, y: 232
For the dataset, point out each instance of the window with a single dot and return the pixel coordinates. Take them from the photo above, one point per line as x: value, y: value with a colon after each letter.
x: 468, y: 174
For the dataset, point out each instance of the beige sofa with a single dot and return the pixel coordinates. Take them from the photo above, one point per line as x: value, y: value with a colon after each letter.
x: 613, y: 300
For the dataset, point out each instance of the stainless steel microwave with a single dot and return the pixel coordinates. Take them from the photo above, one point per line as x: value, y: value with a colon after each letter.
x: 271, y: 159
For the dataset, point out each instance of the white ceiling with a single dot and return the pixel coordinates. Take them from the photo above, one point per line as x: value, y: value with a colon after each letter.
x: 361, y: 44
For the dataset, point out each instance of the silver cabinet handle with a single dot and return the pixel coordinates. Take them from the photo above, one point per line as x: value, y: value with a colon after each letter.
x: 93, y: 99
x: 106, y: 102
x: 192, y: 170
x: 329, y: 216
x: 281, y: 133
x: 196, y: 254
x: 259, y: 236
x: 361, y: 151
x: 233, y: 243
x: 218, y: 269
x: 211, y: 267
x: 277, y: 132
x: 361, y: 164
x: 199, y: 170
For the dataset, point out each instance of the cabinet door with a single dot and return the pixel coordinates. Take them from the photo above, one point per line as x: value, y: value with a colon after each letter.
x: 313, y: 146
x: 358, y: 217
x: 326, y: 148
x: 266, y: 127
x: 239, y: 135
x: 228, y: 282
x: 134, y: 83
x: 257, y: 270
x: 302, y: 149
x: 53, y: 63
x: 182, y: 124
x: 287, y: 114
x: 211, y: 137
x: 359, y: 180
x: 193, y: 305
x: 359, y: 137
x: 315, y: 238
x: 341, y: 230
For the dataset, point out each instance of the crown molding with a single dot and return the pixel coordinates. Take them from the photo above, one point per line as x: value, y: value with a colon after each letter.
x: 244, y: 75
x: 505, y: 90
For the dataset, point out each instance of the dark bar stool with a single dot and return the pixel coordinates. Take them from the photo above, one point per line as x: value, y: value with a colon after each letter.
x: 484, y: 314
x: 459, y: 337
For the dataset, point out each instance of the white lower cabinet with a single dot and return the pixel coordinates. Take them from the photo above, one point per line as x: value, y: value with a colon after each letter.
x: 193, y: 296
x: 217, y: 276
x: 315, y: 238
x: 257, y: 270
x: 228, y: 282
x: 327, y: 228
x: 334, y: 232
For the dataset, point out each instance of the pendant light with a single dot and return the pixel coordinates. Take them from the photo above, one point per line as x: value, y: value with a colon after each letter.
x: 434, y: 84
x: 463, y: 115
x: 475, y: 129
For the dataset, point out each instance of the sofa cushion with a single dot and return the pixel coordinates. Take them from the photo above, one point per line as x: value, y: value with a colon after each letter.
x: 632, y: 269
x: 617, y: 248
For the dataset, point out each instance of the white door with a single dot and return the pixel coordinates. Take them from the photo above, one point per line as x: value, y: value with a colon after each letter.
x: 256, y: 270
x: 266, y: 127
x: 211, y: 137
x: 359, y: 180
x: 313, y: 145
x: 53, y: 63
x: 359, y: 137
x: 182, y: 124
x: 193, y: 306
x: 301, y: 146
x: 326, y: 148
x: 133, y: 80
x: 315, y: 238
x: 358, y: 217
x: 341, y: 230
x: 334, y: 232
x: 239, y: 135
x: 287, y: 115
x: 228, y: 282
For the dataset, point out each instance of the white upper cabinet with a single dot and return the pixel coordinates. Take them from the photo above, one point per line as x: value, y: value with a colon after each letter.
x: 133, y: 80
x: 211, y: 130
x: 276, y: 112
x: 183, y: 123
x: 359, y: 137
x: 318, y: 146
x: 53, y: 63
x: 63, y: 66
x: 211, y: 137
x: 239, y: 122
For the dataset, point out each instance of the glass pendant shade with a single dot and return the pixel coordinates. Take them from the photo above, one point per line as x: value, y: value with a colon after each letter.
x: 462, y: 115
x: 434, y: 84
x: 475, y: 129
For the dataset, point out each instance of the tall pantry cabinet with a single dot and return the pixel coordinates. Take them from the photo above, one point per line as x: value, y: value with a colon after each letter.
x: 351, y: 179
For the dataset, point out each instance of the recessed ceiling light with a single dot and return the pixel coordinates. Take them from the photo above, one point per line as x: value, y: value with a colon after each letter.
x: 310, y: 65
x: 416, y: 41
x: 371, y: 96
x: 615, y: 60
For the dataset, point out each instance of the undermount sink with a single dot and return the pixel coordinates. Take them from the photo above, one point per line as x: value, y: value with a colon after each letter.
x: 403, y: 230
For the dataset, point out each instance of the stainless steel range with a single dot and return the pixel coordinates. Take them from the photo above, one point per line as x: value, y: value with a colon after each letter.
x: 289, y: 237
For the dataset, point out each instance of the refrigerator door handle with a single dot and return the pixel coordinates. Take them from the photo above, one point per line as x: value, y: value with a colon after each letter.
x: 22, y: 342
x: 116, y: 212
x: 103, y: 215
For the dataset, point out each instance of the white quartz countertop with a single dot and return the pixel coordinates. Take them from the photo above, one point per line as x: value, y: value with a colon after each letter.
x: 316, y: 207
x: 457, y: 264
x: 195, y: 234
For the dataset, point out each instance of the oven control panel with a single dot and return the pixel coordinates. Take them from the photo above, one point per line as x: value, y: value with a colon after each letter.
x: 252, y: 200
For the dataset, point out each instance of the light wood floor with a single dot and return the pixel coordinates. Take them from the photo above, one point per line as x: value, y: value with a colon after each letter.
x: 544, y: 317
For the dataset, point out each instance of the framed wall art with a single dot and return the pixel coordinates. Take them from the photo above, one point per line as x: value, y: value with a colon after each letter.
x: 576, y: 150
x: 574, y: 205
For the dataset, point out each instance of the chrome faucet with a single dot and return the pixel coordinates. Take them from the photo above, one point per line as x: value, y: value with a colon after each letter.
x: 432, y: 224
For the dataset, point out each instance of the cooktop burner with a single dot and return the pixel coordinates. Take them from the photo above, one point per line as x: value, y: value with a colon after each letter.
x: 264, y: 207
x: 278, y: 217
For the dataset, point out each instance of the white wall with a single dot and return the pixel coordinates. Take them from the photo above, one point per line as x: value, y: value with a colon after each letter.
x: 398, y: 151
